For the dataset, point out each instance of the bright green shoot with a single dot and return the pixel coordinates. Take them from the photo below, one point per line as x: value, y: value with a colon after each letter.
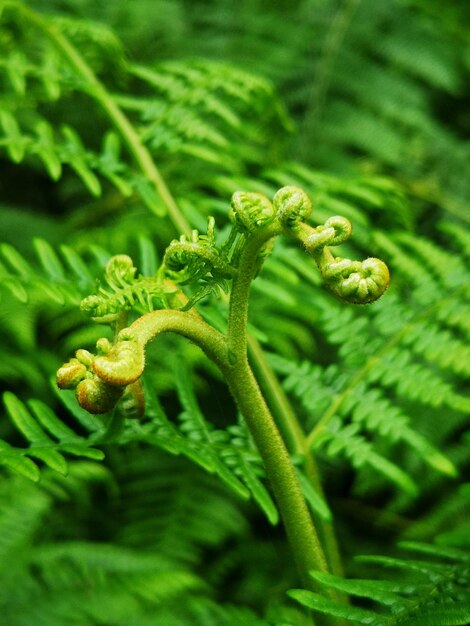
x: 113, y: 374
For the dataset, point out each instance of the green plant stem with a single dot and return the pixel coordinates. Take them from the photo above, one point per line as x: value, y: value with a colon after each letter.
x: 313, y: 557
x: 97, y: 90
x: 237, y: 336
x: 307, y: 549
x: 303, y: 538
x: 194, y: 328
x: 296, y: 440
x: 275, y: 397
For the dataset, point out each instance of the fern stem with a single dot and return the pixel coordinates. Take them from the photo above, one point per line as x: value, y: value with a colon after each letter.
x: 211, y: 341
x: 237, y: 336
x: 303, y: 538
x: 291, y: 430
x: 296, y: 440
x: 306, y: 546
x: 96, y: 89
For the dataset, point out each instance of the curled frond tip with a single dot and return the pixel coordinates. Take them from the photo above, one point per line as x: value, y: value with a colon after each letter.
x: 359, y: 282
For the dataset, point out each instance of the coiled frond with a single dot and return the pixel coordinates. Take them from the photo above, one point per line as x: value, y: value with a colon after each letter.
x: 192, y: 258
x: 250, y: 211
x: 354, y: 281
x: 125, y: 292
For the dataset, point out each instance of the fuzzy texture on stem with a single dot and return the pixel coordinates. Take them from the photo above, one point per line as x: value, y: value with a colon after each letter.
x: 239, y: 298
x: 297, y: 443
x: 306, y: 547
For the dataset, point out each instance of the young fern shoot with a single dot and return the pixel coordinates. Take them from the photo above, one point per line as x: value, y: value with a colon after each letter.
x: 102, y: 379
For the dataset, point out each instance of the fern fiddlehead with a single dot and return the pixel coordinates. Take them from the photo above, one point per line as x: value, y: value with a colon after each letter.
x: 359, y: 282
x: 93, y: 393
x: 102, y: 379
x: 189, y: 258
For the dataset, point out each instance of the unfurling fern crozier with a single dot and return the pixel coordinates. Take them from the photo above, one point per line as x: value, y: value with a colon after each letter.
x: 101, y: 380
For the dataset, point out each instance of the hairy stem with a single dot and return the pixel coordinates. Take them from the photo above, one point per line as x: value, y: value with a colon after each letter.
x: 296, y: 440
x: 303, y: 538
x: 306, y: 546
x: 237, y: 335
x: 97, y: 90
x: 194, y: 328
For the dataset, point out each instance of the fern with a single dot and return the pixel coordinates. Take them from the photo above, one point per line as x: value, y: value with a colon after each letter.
x: 120, y: 582
x: 60, y: 281
x: 92, y: 126
x: 168, y: 122
x: 221, y: 96
x: 427, y: 592
x: 228, y: 453
x: 375, y: 350
x: 48, y: 436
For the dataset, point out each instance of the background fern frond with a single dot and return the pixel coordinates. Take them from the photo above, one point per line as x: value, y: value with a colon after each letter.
x: 62, y: 280
x: 426, y: 592
x: 48, y: 436
x: 229, y: 452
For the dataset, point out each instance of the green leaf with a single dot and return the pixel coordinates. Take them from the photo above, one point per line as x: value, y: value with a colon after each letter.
x: 380, y: 591
x: 77, y: 266
x: 49, y: 260
x: 20, y: 464
x: 51, y: 458
x: 15, y: 140
x: 16, y: 261
x: 436, y: 551
x: 48, y: 419
x: 393, y: 472
x: 316, y: 602
x: 16, y: 288
x: 76, y: 156
x: 148, y: 257
x: 46, y: 149
x: 23, y: 420
x: 259, y: 492
x: 314, y: 499
x: 83, y: 450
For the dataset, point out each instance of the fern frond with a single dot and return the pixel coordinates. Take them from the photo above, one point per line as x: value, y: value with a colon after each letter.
x: 193, y: 109
x: 201, y: 105
x: 61, y: 279
x: 48, y: 436
x: 400, y: 354
x: 367, y: 408
x: 228, y: 453
x: 125, y: 291
x: 434, y: 593
x: 159, y: 493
